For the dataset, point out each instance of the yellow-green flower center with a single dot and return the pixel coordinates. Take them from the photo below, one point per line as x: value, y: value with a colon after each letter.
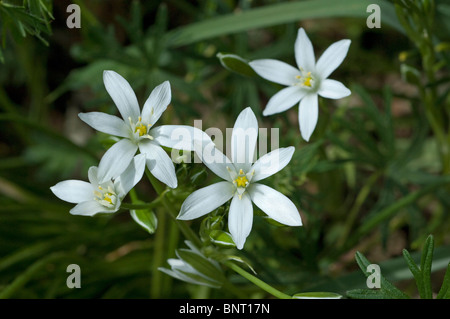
x: 305, y: 80
x: 141, y: 129
x: 107, y: 198
x: 241, y: 181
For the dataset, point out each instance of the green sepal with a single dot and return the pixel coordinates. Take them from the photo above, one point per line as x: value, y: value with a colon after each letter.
x: 235, y: 64
x: 221, y: 238
x: 410, y: 74
x: 145, y: 218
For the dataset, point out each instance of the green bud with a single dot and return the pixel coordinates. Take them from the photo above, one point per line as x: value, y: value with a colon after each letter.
x: 236, y: 64
x: 145, y: 218
x: 222, y: 238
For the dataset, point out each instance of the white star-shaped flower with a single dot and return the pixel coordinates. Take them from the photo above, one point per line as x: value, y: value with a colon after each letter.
x: 241, y: 176
x: 306, y: 82
x: 137, y: 131
x: 100, y: 197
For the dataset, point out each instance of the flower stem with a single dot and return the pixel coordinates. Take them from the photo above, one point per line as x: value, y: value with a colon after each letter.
x: 132, y: 206
x: 258, y: 282
x: 360, y: 199
x: 187, y: 231
x: 158, y: 258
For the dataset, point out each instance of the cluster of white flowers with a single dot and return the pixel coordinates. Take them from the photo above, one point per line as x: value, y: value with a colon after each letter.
x: 120, y: 169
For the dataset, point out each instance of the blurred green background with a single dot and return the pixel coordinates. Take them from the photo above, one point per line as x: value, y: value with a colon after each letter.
x: 371, y: 179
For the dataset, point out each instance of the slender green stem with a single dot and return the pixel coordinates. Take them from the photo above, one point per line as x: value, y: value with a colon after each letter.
x: 261, y: 284
x: 158, y: 257
x: 151, y: 205
x: 360, y: 199
x: 419, y: 30
x: 171, y: 245
x: 185, y: 229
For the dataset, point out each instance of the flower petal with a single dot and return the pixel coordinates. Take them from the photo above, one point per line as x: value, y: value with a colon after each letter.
x: 106, y: 123
x: 332, y: 58
x: 308, y: 115
x: 157, y: 103
x: 275, y: 71
x: 205, y: 200
x: 73, y: 191
x: 275, y: 205
x: 304, y: 52
x: 116, y: 160
x: 93, y: 176
x: 333, y: 89
x: 90, y: 208
x: 159, y: 163
x: 272, y: 163
x: 122, y: 94
x: 179, y: 137
x: 240, y: 219
x: 243, y: 139
x: 284, y: 99
x: 133, y: 174
x: 215, y: 160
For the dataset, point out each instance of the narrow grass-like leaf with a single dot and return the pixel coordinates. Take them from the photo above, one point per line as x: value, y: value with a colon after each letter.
x: 201, y: 264
x: 22, y: 279
x: 389, y: 211
x: 367, y: 294
x: 277, y: 14
x: 388, y: 288
x: 444, y: 292
x: 425, y: 266
x: 417, y: 273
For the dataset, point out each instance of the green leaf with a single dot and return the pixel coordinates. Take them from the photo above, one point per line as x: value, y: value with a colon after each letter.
x: 242, y: 261
x: 415, y: 271
x: 235, y: 64
x: 276, y: 14
x: 200, y: 280
x: 410, y: 74
x: 316, y: 295
x: 222, y: 238
x: 367, y: 294
x: 146, y: 219
x: 425, y: 266
x: 394, y: 270
x: 201, y: 264
x: 392, y: 209
x: 387, y: 288
x: 444, y: 292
